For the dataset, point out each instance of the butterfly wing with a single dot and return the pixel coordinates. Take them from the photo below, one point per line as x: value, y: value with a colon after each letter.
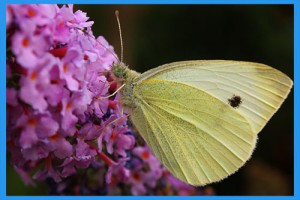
x: 197, y: 137
x: 262, y: 89
x: 182, y: 112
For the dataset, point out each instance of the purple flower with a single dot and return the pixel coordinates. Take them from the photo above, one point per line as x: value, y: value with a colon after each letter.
x: 48, y: 172
x: 34, y: 14
x: 26, y: 47
x: 62, y: 148
x: 148, y: 158
x: 117, y: 140
x: 35, y: 128
x: 137, y: 181
x: 83, y: 150
x: 60, y: 113
x: 89, y: 131
x: 147, y: 173
x: 117, y: 172
x: 11, y: 97
x: 37, y: 84
x: 68, y: 118
x: 83, y: 156
x: 59, y: 87
x: 36, y: 152
x: 8, y: 17
x: 106, y: 55
x: 68, y: 68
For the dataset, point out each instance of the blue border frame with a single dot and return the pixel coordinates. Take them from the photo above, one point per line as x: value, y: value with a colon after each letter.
x: 153, y: 1
x: 296, y: 89
x: 296, y: 98
x: 2, y: 102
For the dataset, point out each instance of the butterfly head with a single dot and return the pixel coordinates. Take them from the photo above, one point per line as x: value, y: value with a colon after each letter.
x: 123, y: 74
x: 120, y: 71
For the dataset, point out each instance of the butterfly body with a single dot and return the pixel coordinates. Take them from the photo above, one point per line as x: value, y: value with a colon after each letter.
x: 128, y: 78
x: 191, y: 116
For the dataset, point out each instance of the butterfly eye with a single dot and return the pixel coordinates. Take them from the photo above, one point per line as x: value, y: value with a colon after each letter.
x: 132, y: 85
x: 235, y: 101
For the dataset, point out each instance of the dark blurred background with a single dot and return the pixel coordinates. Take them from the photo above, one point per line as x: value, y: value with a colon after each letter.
x: 158, y: 34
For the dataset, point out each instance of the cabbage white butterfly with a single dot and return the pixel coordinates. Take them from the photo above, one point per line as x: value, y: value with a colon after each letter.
x: 201, y: 118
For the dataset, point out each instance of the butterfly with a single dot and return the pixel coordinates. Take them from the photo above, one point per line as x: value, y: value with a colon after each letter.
x: 201, y: 118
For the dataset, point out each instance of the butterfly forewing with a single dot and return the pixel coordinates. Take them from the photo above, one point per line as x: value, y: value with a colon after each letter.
x: 262, y: 89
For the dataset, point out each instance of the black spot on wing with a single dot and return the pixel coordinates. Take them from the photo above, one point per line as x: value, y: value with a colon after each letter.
x: 235, y: 101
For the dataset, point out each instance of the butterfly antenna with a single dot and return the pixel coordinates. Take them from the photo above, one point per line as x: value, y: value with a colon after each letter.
x: 120, y: 32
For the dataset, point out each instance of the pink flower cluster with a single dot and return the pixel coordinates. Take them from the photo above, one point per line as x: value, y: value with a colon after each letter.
x: 60, y: 118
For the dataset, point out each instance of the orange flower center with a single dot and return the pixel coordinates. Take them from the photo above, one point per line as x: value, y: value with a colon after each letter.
x: 33, y: 76
x: 31, y: 12
x: 25, y: 42
x: 113, y: 135
x: 32, y: 122
x: 136, y: 176
x: 68, y: 106
x: 65, y: 68
x: 61, y: 23
x: 145, y: 155
x: 54, y: 137
x: 54, y: 82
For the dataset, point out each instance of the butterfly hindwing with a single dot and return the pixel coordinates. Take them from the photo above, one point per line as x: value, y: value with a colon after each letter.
x: 199, y: 138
